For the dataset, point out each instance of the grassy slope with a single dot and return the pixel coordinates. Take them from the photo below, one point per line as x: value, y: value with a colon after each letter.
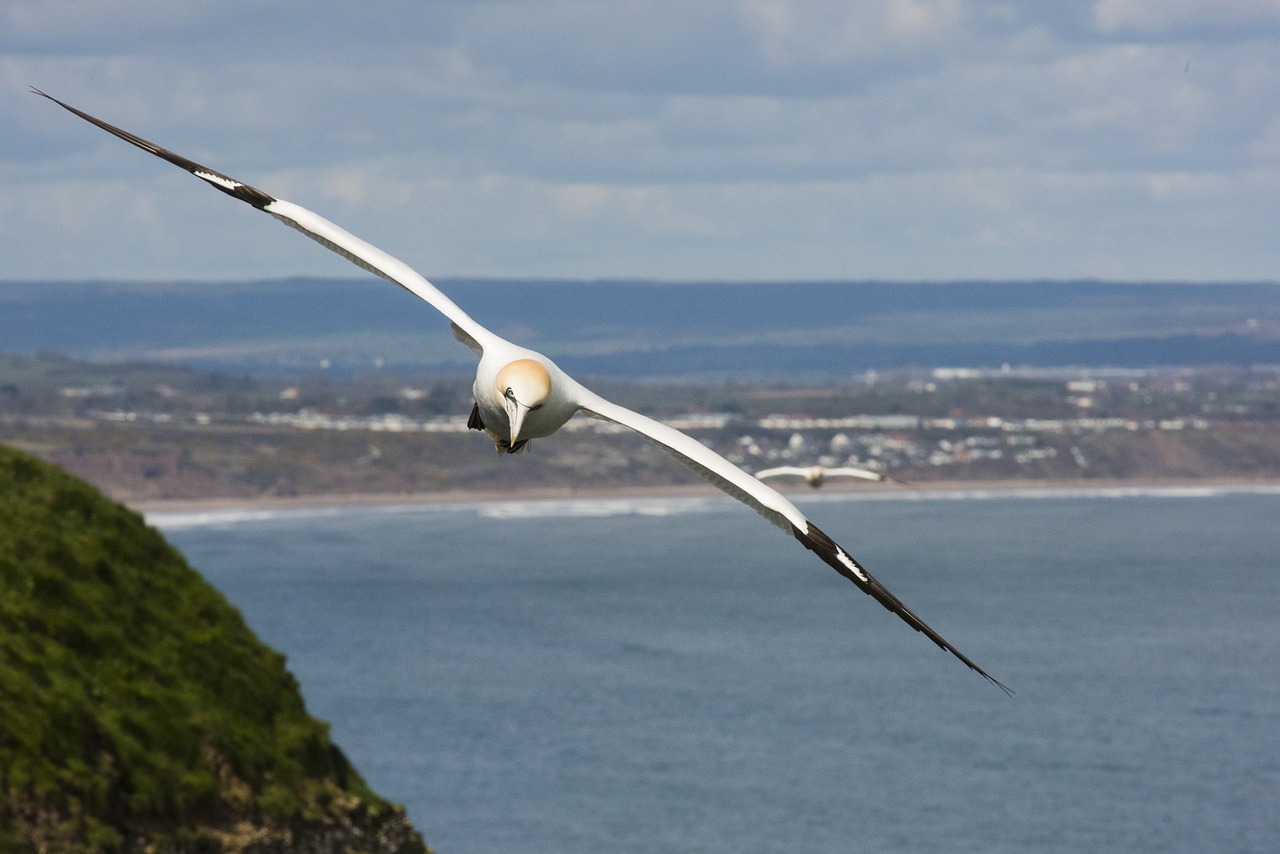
x: 137, y: 705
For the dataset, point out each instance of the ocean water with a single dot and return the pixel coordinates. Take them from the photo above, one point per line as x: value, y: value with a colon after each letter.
x: 679, y: 676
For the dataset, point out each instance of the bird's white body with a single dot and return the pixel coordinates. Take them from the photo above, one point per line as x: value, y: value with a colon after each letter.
x: 522, y: 395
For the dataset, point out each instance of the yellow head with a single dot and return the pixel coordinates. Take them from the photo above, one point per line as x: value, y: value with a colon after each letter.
x: 524, y: 385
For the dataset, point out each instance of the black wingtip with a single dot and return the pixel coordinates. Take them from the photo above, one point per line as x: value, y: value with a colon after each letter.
x: 842, y: 562
x: 230, y: 186
x: 1008, y: 692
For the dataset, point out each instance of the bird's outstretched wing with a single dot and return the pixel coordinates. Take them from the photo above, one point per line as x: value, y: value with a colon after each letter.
x: 782, y: 471
x: 864, y: 474
x: 319, y: 229
x: 711, y: 465
x: 768, y: 503
x: 797, y: 471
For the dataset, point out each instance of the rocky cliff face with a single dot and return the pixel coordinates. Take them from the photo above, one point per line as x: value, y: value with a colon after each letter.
x: 138, y: 712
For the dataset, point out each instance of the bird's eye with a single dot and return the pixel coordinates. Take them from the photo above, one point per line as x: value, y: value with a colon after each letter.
x: 509, y: 394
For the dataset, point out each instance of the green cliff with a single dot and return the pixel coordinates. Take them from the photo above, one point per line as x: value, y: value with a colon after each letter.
x: 138, y: 712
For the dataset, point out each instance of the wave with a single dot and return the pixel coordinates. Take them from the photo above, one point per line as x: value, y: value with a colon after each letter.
x: 248, y: 515
x: 588, y: 508
x: 215, y: 518
x: 546, y: 508
x: 1046, y: 492
x: 512, y: 509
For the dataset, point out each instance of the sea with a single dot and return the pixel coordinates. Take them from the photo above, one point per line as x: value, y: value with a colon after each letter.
x: 677, y: 675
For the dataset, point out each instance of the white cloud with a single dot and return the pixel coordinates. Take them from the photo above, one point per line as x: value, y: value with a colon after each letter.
x: 1162, y: 17
x: 832, y: 34
x: 720, y: 138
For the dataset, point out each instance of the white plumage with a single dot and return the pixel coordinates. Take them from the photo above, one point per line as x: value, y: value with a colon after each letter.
x: 522, y: 395
x: 815, y: 476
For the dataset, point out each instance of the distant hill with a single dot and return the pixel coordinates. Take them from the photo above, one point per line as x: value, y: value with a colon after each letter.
x: 138, y: 711
x: 629, y: 329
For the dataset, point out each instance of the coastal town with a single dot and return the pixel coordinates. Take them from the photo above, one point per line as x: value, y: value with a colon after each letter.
x: 155, y: 433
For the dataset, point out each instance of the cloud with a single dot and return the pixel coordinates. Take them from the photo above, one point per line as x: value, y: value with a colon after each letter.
x: 1185, y: 17
x: 833, y: 34
x: 558, y: 137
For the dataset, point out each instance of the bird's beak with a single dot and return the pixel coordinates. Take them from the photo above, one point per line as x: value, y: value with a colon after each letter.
x: 516, y: 412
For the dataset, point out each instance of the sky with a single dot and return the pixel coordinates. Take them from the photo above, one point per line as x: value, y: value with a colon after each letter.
x: 666, y: 139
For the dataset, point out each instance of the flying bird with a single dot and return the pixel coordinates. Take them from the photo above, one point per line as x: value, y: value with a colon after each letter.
x: 816, y: 476
x: 520, y: 395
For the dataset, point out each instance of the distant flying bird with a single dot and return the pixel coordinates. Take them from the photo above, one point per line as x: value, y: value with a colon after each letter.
x: 816, y: 476
x: 521, y: 395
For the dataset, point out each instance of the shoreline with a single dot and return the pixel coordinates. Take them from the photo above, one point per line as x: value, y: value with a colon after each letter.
x: 620, y: 492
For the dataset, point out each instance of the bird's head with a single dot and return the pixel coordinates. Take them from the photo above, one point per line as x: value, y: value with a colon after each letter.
x: 524, y: 385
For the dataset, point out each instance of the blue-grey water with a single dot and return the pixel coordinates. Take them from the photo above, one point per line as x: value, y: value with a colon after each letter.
x: 678, y: 676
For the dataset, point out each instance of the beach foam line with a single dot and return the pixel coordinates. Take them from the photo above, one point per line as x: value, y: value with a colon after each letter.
x: 535, y: 508
x: 538, y: 508
x: 213, y: 518
x: 172, y: 519
x: 598, y: 508
x: 1044, y: 493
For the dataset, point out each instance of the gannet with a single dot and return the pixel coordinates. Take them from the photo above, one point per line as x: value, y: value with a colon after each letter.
x: 520, y: 395
x: 815, y: 476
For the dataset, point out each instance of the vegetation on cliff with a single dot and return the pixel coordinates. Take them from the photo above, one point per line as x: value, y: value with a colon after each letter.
x: 138, y: 712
